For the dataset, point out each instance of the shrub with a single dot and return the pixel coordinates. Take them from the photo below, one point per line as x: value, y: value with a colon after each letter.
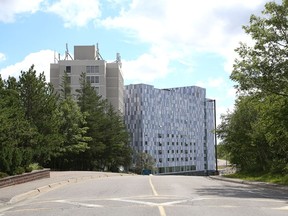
x: 19, y: 170
x: 28, y: 169
x: 3, y: 175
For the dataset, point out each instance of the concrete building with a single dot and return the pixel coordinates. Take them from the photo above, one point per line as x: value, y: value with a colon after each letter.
x: 106, y: 78
x: 175, y: 126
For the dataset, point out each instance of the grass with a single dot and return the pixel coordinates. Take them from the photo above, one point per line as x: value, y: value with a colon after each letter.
x: 261, y: 177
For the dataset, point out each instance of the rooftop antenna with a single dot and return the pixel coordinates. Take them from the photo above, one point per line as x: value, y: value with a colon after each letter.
x: 118, y: 59
x: 55, y: 58
x: 98, y: 55
x: 67, y: 54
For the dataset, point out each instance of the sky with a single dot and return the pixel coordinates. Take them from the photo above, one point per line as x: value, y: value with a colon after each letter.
x: 164, y: 43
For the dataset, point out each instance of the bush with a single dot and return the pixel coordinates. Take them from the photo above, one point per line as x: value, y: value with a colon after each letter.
x: 28, y: 169
x: 19, y: 170
x: 3, y: 175
x: 35, y: 166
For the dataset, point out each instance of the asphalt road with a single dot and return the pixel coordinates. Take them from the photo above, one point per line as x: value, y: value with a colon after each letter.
x: 154, y: 195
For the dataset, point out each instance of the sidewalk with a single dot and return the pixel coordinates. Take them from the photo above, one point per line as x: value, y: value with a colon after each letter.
x: 16, y: 193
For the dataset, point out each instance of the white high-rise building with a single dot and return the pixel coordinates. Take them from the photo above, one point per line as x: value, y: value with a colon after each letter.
x: 175, y: 126
x: 106, y: 78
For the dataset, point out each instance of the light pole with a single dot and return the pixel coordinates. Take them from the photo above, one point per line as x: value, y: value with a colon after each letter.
x: 215, y: 135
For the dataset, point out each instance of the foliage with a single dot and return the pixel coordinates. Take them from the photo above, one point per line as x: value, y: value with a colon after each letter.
x: 109, y: 145
x: 38, y: 126
x: 143, y: 161
x: 14, y: 130
x: 263, y: 68
x: 261, y: 177
x: 3, y: 175
x: 40, y: 108
x: 256, y: 133
x: 73, y: 129
x: 222, y: 152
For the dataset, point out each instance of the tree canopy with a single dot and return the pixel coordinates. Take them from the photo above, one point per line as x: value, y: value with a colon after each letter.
x: 255, y: 134
x: 38, y: 125
x: 263, y: 67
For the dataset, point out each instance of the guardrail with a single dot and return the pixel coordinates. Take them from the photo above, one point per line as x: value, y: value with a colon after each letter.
x: 25, y: 177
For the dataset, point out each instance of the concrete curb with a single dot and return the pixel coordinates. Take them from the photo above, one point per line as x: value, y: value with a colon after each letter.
x: 252, y: 183
x: 55, y: 185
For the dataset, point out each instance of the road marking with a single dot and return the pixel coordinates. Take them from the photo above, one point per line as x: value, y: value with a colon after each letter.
x: 162, y: 210
x: 79, y: 204
x: 152, y: 186
x: 160, y: 207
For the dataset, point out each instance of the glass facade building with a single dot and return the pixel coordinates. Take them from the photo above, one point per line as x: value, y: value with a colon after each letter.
x: 175, y: 126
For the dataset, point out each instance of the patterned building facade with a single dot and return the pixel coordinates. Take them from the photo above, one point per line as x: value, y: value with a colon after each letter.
x: 175, y: 126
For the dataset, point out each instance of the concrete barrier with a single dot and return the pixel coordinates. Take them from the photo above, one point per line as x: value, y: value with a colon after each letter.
x: 25, y: 177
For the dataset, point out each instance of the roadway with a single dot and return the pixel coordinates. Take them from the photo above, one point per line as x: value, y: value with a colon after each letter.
x: 153, y: 195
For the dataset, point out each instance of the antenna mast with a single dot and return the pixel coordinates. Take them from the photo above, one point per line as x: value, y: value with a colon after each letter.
x: 98, y: 55
x: 118, y: 59
x: 67, y: 54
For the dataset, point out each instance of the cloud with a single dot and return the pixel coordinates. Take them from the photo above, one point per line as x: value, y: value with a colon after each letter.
x: 41, y: 60
x: 145, y: 68
x: 187, y: 27
x: 10, y: 8
x: 2, y: 57
x: 75, y: 12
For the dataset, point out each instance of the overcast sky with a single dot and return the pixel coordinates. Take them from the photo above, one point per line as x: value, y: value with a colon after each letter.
x: 165, y: 43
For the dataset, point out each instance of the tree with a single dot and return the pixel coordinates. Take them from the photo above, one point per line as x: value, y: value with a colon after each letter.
x: 116, y: 138
x: 14, y: 128
x: 263, y: 68
x: 39, y: 103
x: 109, y: 147
x: 93, y: 106
x: 73, y: 129
x: 243, y: 137
x: 143, y: 161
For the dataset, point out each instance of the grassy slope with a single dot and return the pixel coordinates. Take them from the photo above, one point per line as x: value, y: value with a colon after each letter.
x: 262, y: 177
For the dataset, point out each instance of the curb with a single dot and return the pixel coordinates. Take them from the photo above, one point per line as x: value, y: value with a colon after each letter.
x: 252, y: 183
x: 55, y: 185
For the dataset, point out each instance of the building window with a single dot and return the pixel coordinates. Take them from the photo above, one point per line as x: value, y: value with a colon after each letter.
x: 92, y: 79
x: 68, y: 69
x: 160, y: 160
x: 160, y: 152
x: 92, y: 69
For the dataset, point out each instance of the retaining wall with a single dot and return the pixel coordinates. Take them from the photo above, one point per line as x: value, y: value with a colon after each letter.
x: 26, y: 177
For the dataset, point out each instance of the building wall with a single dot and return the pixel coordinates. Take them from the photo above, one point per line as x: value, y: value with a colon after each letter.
x: 170, y: 125
x: 107, y: 77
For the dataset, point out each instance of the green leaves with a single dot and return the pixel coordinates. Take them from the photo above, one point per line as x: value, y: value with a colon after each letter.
x: 255, y: 133
x: 109, y: 147
x: 36, y: 125
x: 263, y: 68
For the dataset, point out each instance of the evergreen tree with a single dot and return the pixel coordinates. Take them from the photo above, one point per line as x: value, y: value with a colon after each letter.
x: 40, y: 108
x: 14, y: 128
x: 72, y: 129
x: 92, y: 105
x: 116, y: 138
